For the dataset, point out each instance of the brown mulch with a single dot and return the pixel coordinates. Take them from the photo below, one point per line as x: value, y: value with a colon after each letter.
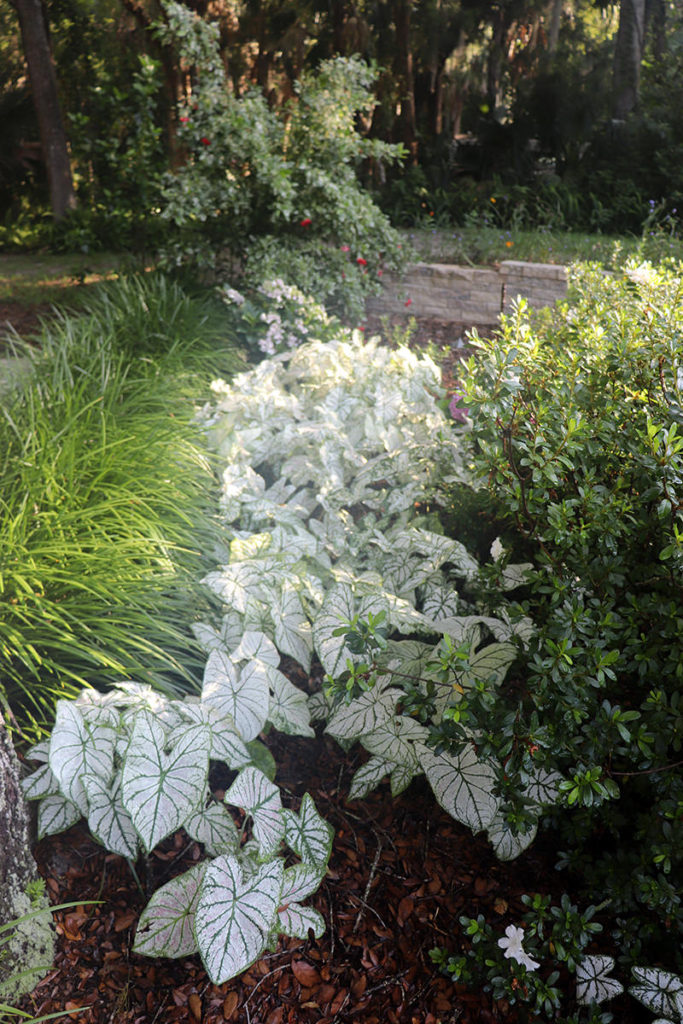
x: 24, y: 320
x: 400, y: 875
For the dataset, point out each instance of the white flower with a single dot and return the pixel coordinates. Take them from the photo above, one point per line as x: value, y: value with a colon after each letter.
x: 514, y: 950
x: 232, y: 295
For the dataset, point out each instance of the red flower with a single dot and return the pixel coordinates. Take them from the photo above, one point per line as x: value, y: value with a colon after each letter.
x: 408, y: 302
x: 306, y: 222
x: 204, y: 141
x: 361, y: 261
x: 344, y: 248
x: 184, y: 120
x: 379, y: 273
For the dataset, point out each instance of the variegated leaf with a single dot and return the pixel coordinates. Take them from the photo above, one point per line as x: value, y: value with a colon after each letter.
x: 78, y: 748
x: 297, y: 921
x: 439, y: 602
x: 660, y: 991
x: 241, y: 695
x: 394, y: 740
x: 256, y: 645
x: 235, y: 915
x: 226, y: 743
x: 338, y: 608
x: 108, y: 819
x: 544, y: 787
x: 257, y: 795
x: 39, y: 784
x: 213, y: 826
x: 292, y: 628
x: 463, y: 786
x: 490, y: 665
x: 56, y: 814
x: 506, y: 844
x: 166, y: 925
x: 401, y: 777
x: 160, y: 789
x: 308, y: 834
x: 366, y: 713
x: 368, y: 777
x: 300, y: 881
x: 288, y: 709
x: 592, y: 982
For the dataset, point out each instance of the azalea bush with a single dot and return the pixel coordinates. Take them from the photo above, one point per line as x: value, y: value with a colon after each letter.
x: 277, y: 191
x: 577, y: 438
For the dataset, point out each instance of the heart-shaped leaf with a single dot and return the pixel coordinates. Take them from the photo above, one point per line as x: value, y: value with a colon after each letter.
x: 368, y: 777
x: 39, y: 784
x: 257, y: 795
x: 338, y: 608
x: 241, y: 695
x: 364, y: 714
x: 463, y: 786
x: 506, y: 844
x: 292, y: 628
x: 308, y: 834
x: 592, y: 982
x: 660, y: 991
x: 288, y: 709
x: 297, y: 921
x: 235, y: 915
x: 254, y: 644
x: 166, y: 925
x: 213, y: 826
x: 55, y: 814
x: 108, y: 819
x: 78, y: 748
x: 395, y: 739
x: 161, y: 789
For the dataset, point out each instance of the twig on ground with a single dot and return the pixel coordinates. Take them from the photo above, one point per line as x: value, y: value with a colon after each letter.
x: 371, y: 878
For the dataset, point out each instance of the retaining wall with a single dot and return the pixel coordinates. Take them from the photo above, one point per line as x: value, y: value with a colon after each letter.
x: 469, y: 295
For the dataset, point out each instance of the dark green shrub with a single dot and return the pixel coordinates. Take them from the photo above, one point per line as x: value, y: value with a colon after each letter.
x: 578, y: 440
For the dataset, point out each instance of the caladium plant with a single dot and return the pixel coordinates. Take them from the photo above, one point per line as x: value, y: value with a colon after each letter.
x: 330, y: 451
x: 136, y: 766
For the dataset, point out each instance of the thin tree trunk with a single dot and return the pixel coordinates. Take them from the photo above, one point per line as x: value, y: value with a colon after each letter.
x: 41, y: 69
x: 628, y: 56
x: 403, y: 68
x: 31, y: 945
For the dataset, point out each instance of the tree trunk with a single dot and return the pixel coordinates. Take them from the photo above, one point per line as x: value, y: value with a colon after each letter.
x: 34, y: 34
x: 628, y: 56
x: 31, y: 944
x: 403, y: 69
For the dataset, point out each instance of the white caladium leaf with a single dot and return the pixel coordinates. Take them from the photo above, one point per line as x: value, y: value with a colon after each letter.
x: 288, y: 711
x: 40, y: 751
x: 319, y: 706
x: 660, y: 991
x: 401, y: 777
x: 160, y: 789
x: 297, y: 921
x: 108, y: 819
x: 490, y: 665
x: 39, y: 784
x: 308, y: 834
x: 299, y: 881
x: 213, y: 826
x: 260, y: 798
x: 516, y: 575
x: 394, y: 740
x: 368, y: 777
x: 366, y: 713
x: 207, y: 637
x: 338, y: 608
x: 226, y: 744
x: 78, y: 748
x: 292, y: 628
x: 439, y: 602
x: 242, y: 695
x: 233, y: 583
x: 506, y: 844
x: 463, y: 786
x: 249, y: 545
x: 256, y: 645
x: 56, y: 814
x: 235, y: 915
x: 544, y: 787
x: 166, y: 925
x: 592, y: 982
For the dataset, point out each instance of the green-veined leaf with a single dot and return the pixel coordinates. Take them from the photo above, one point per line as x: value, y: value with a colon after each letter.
x: 241, y: 694
x: 213, y: 826
x: 394, y: 740
x: 288, y: 709
x: 308, y: 834
x: 506, y: 844
x: 166, y: 925
x: 260, y: 798
x: 366, y: 713
x: 55, y: 814
x: 108, y: 819
x: 77, y: 748
x: 463, y: 786
x: 368, y: 777
x: 235, y: 915
x: 160, y: 789
x: 660, y: 991
x: 592, y: 982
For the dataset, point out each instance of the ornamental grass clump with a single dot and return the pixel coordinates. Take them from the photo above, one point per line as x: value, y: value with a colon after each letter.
x: 577, y: 437
x: 105, y: 506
